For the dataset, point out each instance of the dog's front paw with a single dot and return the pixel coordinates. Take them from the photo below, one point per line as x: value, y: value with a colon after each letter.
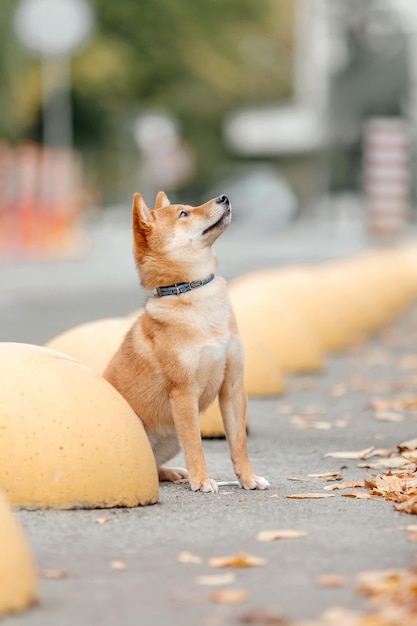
x: 207, y: 486
x: 254, y: 482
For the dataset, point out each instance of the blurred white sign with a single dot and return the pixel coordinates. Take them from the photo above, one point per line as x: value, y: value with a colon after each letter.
x: 53, y: 27
x: 275, y: 130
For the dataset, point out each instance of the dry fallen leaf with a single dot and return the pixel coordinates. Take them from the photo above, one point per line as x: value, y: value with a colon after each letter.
x: 350, y: 454
x: 337, y: 616
x: 407, y: 446
x: 332, y: 581
x: 341, y: 423
x: 380, y: 582
x: 261, y: 617
x: 52, y: 574
x: 381, y: 404
x: 273, y: 535
x: 408, y: 362
x: 407, y: 403
x: 103, y: 520
x: 370, y: 386
x: 188, y: 557
x: 214, y: 580
x: 409, y: 505
x: 237, y: 560
x: 382, y: 452
x: 326, y: 475
x: 400, y: 488
x: 284, y: 409
x: 388, y: 416
x: 229, y: 596
x: 117, y: 565
x: 412, y: 528
x: 387, y: 485
x: 311, y: 495
x: 395, y: 462
x: 339, y: 390
x: 308, y: 421
x: 346, y: 485
x: 360, y: 495
x: 313, y: 410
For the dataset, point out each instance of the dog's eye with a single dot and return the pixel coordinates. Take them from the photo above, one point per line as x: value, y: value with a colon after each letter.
x: 184, y: 214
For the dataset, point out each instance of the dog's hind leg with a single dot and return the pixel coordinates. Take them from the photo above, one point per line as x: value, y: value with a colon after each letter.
x: 165, y: 447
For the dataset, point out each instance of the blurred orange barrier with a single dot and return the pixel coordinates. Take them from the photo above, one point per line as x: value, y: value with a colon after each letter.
x: 40, y: 200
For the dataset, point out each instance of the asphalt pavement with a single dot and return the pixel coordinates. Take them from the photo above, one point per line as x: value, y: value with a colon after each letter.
x: 289, y: 437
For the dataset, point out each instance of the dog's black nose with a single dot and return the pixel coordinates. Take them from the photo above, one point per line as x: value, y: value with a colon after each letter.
x: 222, y: 200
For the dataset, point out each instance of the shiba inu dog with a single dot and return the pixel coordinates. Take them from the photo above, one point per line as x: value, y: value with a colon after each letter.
x: 185, y: 349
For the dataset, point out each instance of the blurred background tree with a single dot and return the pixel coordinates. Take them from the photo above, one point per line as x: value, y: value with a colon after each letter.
x: 198, y: 59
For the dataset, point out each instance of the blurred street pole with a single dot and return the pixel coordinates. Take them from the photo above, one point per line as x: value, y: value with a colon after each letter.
x: 57, y: 105
x: 47, y: 208
x: 54, y: 29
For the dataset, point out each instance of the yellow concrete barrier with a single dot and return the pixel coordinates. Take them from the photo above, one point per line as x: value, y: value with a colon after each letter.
x: 68, y: 439
x: 264, y: 317
x: 211, y: 422
x: 340, y: 302
x: 369, y: 290
x: 302, y: 291
x: 263, y: 376
x: 93, y: 343
x: 18, y: 581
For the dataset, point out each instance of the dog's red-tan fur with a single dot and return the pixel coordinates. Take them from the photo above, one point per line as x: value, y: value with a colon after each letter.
x: 184, y: 350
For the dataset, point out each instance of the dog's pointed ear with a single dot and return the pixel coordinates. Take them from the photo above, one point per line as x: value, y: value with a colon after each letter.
x: 161, y: 200
x: 141, y: 213
x: 141, y: 222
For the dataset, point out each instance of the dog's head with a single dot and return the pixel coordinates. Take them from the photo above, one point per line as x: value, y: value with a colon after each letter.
x: 173, y: 241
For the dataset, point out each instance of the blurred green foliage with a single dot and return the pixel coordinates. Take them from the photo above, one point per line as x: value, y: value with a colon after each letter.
x: 200, y: 59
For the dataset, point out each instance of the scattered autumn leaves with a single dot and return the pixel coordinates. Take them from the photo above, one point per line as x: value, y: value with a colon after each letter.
x: 398, y: 485
x: 392, y: 599
x: 381, y: 408
x: 392, y: 594
x: 241, y: 560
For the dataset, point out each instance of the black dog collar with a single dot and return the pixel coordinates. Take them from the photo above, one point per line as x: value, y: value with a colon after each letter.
x: 178, y: 288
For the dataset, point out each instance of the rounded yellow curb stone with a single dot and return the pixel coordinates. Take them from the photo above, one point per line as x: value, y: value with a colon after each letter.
x: 304, y: 293
x: 376, y: 286
x: 18, y: 580
x: 265, y: 317
x: 93, y: 343
x: 263, y: 376
x: 68, y: 438
x: 211, y: 422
